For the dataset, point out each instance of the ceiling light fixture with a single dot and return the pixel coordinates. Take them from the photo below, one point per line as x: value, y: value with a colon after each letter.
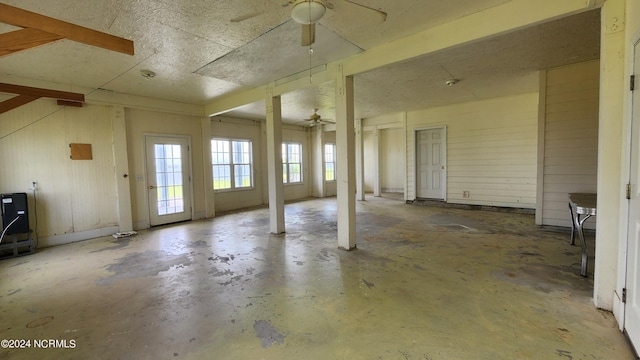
x: 147, y: 74
x: 451, y: 82
x: 307, y: 11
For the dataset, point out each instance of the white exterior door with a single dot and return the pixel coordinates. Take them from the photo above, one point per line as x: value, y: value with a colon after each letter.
x: 168, y: 180
x: 431, y: 174
x: 632, y: 307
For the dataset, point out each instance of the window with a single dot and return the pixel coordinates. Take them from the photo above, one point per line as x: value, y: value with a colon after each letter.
x: 291, y: 163
x: 232, y: 165
x: 330, y: 162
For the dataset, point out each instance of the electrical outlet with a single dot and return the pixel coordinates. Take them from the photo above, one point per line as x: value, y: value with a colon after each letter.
x: 33, y: 185
x: 465, y: 194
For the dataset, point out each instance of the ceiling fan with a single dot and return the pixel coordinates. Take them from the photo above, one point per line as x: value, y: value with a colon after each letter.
x: 315, y: 119
x: 308, y: 12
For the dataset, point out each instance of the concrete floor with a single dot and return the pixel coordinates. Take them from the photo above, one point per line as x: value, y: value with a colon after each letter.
x: 424, y: 283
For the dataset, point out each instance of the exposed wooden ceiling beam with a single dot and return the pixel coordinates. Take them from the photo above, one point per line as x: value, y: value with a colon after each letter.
x: 23, y: 39
x: 15, y: 102
x: 39, y: 92
x: 27, y: 94
x: 69, y: 103
x: 27, y: 19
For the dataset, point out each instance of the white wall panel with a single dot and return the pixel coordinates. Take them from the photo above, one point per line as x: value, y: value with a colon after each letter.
x: 368, y: 139
x: 491, y: 150
x: 392, y: 153
x: 74, y: 197
x: 230, y: 128
x: 140, y: 122
x: 299, y: 135
x: 570, y: 139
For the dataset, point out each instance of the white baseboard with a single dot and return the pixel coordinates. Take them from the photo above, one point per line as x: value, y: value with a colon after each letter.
x: 76, y: 236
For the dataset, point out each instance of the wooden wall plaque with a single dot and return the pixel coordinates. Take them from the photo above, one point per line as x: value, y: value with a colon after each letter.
x: 81, y: 152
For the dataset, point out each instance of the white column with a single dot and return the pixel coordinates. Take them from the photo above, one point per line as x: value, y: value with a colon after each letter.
x: 359, y: 162
x: 274, y: 163
x: 407, y: 158
x: 121, y: 163
x: 210, y: 202
x: 346, y: 170
x: 376, y: 155
x: 613, y: 91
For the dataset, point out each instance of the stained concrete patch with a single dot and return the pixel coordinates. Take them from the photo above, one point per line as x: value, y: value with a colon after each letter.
x: 222, y: 259
x: 137, y: 265
x: 453, y: 227
x: 369, y: 284
x: 267, y: 333
x: 545, y: 278
x: 323, y: 255
x: 119, y: 244
x: 40, y: 322
x: 460, y: 221
x: 14, y: 291
x: 198, y: 244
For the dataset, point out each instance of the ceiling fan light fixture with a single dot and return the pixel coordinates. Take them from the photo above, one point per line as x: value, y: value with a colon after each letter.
x: 147, y: 74
x: 452, y: 82
x: 307, y: 11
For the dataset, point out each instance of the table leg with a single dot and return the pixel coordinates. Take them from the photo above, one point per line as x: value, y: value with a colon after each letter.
x: 585, y: 258
x: 573, y: 225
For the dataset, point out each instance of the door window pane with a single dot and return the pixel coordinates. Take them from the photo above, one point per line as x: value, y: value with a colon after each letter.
x: 169, y: 179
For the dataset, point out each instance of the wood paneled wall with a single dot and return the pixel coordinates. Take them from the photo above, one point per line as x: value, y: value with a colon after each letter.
x: 570, y: 138
x: 76, y: 199
x: 491, y: 150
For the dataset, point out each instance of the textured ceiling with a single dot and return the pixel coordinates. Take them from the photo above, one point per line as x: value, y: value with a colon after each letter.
x: 269, y: 63
x: 200, y: 55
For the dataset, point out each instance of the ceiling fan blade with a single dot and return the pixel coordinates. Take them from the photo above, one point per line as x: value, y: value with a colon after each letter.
x: 308, y: 34
x: 382, y: 13
x: 245, y: 17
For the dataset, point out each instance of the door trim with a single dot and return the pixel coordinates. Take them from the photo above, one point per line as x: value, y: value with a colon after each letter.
x: 444, y: 155
x: 619, y: 306
x: 189, y: 164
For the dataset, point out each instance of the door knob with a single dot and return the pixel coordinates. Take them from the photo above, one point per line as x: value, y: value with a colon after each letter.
x: 151, y: 187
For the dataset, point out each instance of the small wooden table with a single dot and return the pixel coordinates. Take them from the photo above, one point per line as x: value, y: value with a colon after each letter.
x: 581, y: 204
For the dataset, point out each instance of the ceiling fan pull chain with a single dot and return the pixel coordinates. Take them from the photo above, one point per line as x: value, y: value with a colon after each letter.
x: 310, y: 53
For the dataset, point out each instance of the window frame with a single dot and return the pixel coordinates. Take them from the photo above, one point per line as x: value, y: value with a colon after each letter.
x: 333, y: 161
x: 231, y: 165
x: 286, y: 163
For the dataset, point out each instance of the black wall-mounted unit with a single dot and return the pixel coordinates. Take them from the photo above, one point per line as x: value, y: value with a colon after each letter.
x: 14, y: 206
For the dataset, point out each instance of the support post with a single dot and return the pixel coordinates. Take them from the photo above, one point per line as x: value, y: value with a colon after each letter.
x: 274, y: 163
x: 121, y: 163
x: 359, y: 162
x: 376, y: 155
x: 346, y: 170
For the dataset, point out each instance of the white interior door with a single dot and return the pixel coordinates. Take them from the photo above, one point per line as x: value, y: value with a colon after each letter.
x: 168, y: 185
x: 430, y: 164
x: 632, y: 306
